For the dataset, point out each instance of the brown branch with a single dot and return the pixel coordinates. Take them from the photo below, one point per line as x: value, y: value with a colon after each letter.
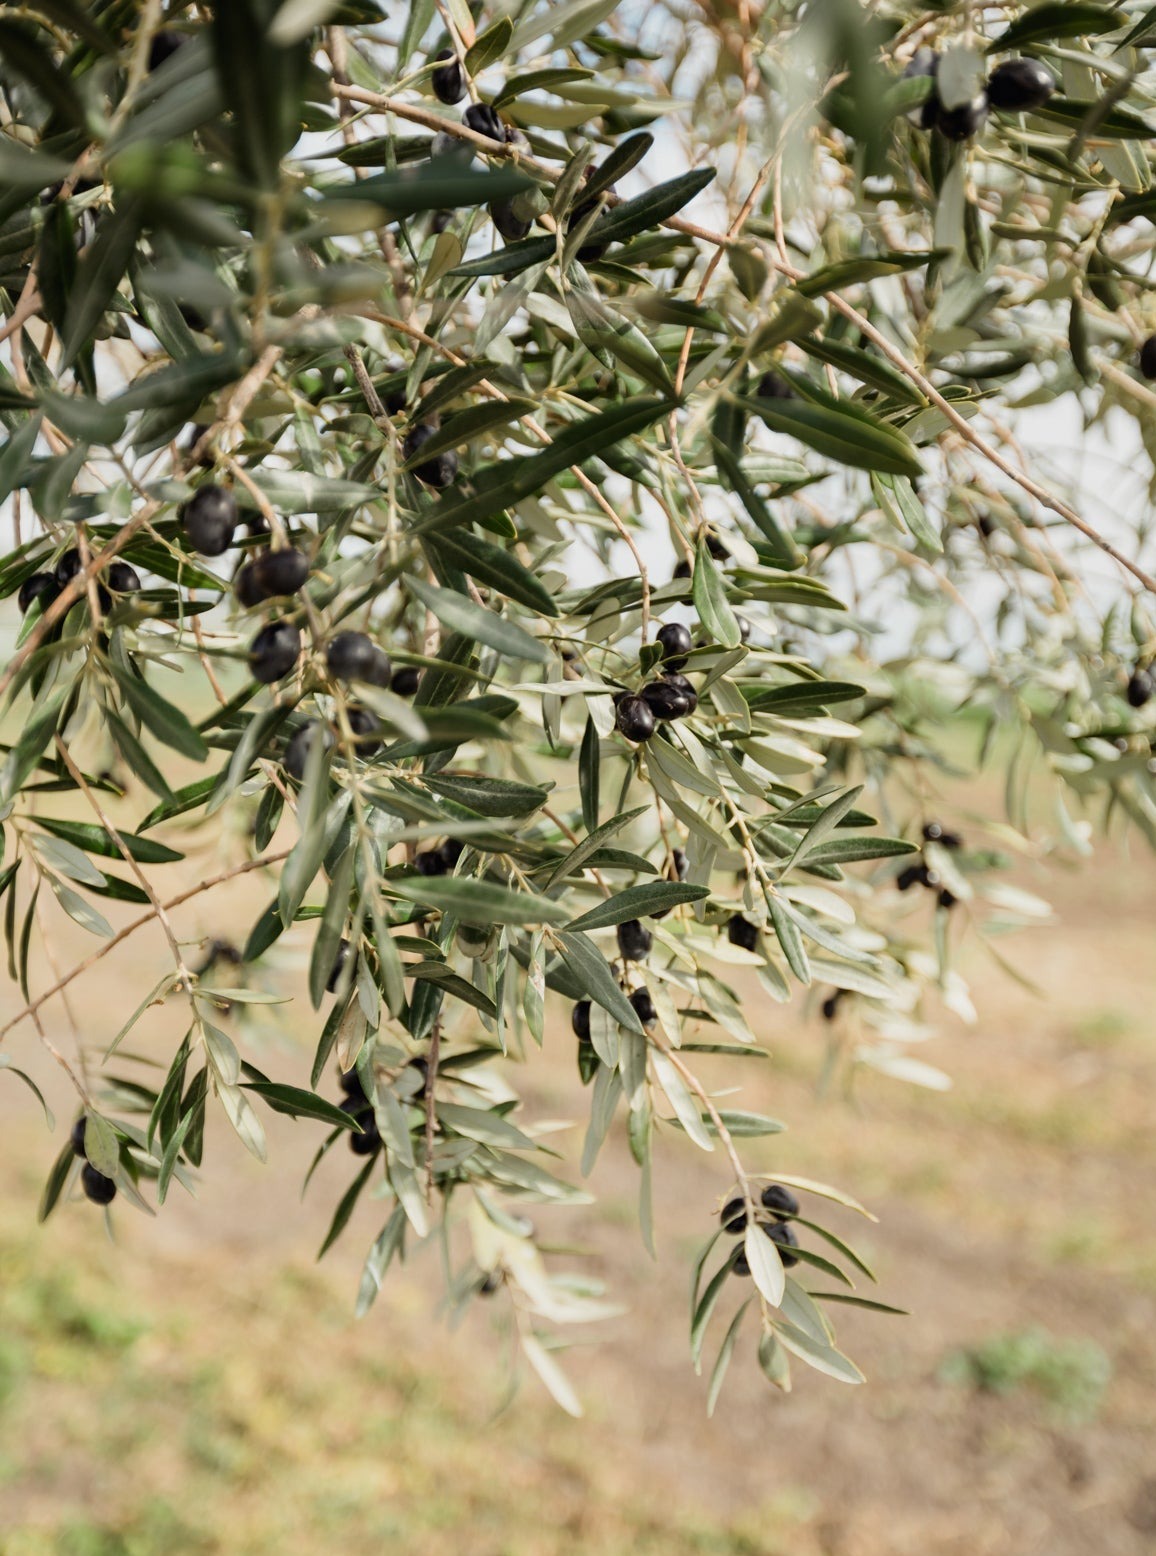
x: 138, y: 923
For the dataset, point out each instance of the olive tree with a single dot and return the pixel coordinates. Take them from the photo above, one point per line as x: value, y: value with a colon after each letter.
x: 542, y: 488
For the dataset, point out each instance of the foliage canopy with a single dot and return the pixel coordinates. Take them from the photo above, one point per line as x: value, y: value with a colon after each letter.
x: 534, y: 483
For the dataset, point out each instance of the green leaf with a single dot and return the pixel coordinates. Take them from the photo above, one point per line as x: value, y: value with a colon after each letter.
x: 26, y: 56
x: 489, y: 46
x: 59, y: 1174
x: 492, y: 565
x: 896, y: 496
x: 848, y: 438
x: 100, y: 271
x: 461, y: 614
x: 95, y: 840
x: 489, y: 796
x: 591, y: 972
x: 299, y: 1103
x: 851, y: 272
x: 163, y: 719
x: 508, y: 482
x: 345, y: 1208
x: 710, y: 599
x: 477, y: 901
x: 1059, y: 19
x: 724, y: 1358
x: 452, y: 983
x: 638, y: 902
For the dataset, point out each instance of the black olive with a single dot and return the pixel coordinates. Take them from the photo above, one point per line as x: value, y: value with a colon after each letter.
x: 665, y: 700
x: 482, y: 119
x: 430, y: 861
x: 676, y: 642
x: 505, y: 217
x: 41, y: 586
x: 280, y: 572
x: 774, y: 387
x: 775, y: 1197
x: 366, y: 730
x: 300, y: 744
x: 734, y: 1216
x: 634, y: 718
x: 405, y: 681
x: 1139, y: 688
x: 1147, y: 363
x: 332, y: 981
x: 1020, y: 84
x: 965, y: 121
x: 782, y: 1233
x: 210, y: 519
x: 123, y: 578
x: 448, y: 81
x: 741, y: 932
x: 580, y: 1019
x: 99, y: 1189
x: 76, y: 1138
x: 274, y: 651
x: 634, y: 942
x: 441, y: 470
x: 163, y: 45
x: 644, y: 1007
x: 682, y: 684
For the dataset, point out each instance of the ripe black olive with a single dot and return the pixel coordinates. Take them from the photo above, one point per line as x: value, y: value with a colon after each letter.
x: 1140, y: 688
x: 681, y: 864
x: 734, y: 1216
x: 405, y: 681
x: 741, y: 932
x: 442, y: 469
x: 163, y: 45
x: 775, y: 1197
x: 675, y: 641
x: 274, y: 651
x: 42, y: 587
x: 774, y: 387
x: 1020, y: 84
x: 431, y: 861
x: 300, y: 744
x: 505, y: 217
x: 483, y: 120
x: 580, y: 1019
x: 332, y: 981
x: 448, y: 81
x: 280, y: 572
x: 965, y: 121
x: 366, y: 729
x: 925, y: 62
x: 123, y: 578
x: 247, y: 586
x: 665, y: 700
x: 354, y: 656
x: 634, y: 718
x: 76, y: 1138
x: 782, y: 1233
x: 210, y: 519
x: 99, y: 1189
x: 633, y: 940
x: 68, y: 567
x: 1147, y: 365
x: 644, y: 1007
x: 684, y: 685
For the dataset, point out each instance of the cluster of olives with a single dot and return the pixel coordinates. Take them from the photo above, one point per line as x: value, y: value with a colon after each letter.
x: 634, y: 943
x: 99, y: 1189
x: 211, y: 519
x: 1015, y: 86
x: 922, y: 874
x: 119, y: 578
x: 637, y: 713
x: 782, y: 1205
x: 1140, y: 686
x: 365, y: 1140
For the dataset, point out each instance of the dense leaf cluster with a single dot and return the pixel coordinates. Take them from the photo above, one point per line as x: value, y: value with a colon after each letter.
x: 529, y: 483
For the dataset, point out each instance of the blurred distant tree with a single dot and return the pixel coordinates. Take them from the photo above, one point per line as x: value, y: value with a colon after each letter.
x: 566, y: 452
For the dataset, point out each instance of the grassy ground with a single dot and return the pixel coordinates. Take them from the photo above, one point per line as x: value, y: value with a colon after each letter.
x: 202, y: 1387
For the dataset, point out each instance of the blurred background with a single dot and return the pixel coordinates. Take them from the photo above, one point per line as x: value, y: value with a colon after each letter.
x: 201, y: 1386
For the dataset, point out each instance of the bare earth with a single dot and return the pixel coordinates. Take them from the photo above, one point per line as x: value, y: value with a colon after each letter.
x: 201, y: 1387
